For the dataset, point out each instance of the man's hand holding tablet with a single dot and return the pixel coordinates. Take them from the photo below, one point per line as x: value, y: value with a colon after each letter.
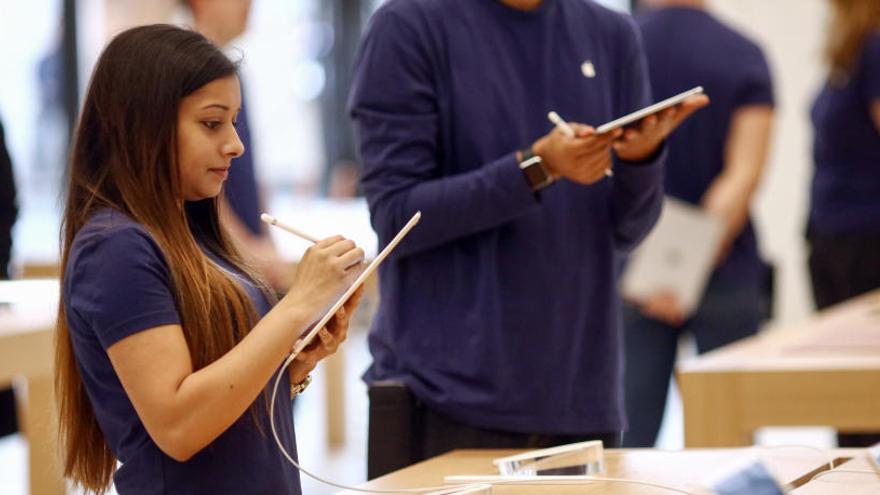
x: 644, y: 130
x: 580, y: 152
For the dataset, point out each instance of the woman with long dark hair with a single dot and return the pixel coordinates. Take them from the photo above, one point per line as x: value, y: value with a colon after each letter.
x: 166, y: 340
x: 844, y: 219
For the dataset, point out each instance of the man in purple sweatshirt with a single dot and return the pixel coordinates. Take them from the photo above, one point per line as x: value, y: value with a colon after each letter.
x: 499, y: 311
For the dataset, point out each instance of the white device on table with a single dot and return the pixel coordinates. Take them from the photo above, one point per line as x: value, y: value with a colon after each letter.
x: 314, y: 329
x: 573, y: 459
x: 644, y: 112
x: 749, y: 476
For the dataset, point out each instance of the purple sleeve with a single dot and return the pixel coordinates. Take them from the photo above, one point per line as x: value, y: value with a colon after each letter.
x: 394, y: 104
x: 871, y: 64
x: 120, y: 285
x: 756, y: 86
x: 637, y: 196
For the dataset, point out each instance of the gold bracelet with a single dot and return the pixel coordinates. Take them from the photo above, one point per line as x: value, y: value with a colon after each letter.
x: 300, y: 387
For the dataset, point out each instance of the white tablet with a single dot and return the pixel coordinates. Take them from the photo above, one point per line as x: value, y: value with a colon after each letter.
x: 640, y: 114
x: 307, y: 337
x: 677, y: 256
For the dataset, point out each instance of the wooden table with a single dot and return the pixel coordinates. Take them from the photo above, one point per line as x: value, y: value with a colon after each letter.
x: 682, y: 470
x: 27, y: 319
x: 825, y: 372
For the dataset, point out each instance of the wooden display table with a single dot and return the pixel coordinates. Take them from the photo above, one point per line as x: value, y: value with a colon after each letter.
x: 27, y: 324
x: 824, y: 372
x: 676, y: 469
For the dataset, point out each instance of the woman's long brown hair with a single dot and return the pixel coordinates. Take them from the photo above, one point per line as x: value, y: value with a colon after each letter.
x: 124, y: 158
x: 852, y: 21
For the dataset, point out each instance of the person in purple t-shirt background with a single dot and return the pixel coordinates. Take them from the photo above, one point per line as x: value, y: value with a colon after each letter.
x: 843, y: 229
x: 499, y: 314
x: 222, y: 21
x: 716, y: 160
x: 167, y: 342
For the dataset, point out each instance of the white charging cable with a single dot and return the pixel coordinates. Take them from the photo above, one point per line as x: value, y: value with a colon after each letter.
x: 427, y: 489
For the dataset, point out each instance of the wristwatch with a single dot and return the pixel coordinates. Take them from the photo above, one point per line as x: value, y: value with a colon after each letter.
x: 301, y: 386
x: 533, y: 168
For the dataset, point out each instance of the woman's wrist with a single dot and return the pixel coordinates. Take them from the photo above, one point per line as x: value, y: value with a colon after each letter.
x: 300, y: 387
x: 299, y: 372
x: 295, y: 318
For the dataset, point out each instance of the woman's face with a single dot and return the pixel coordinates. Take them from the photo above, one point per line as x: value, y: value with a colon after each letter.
x: 206, y: 137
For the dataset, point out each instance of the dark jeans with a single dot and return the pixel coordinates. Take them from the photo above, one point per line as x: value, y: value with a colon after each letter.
x: 726, y: 313
x: 8, y: 423
x: 403, y: 431
x: 843, y: 267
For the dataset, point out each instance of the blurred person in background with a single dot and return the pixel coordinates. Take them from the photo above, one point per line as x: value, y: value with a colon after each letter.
x: 8, y: 206
x: 222, y: 21
x: 8, y: 214
x: 715, y: 162
x: 843, y: 229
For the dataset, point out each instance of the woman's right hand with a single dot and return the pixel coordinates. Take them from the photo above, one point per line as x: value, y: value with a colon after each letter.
x: 326, y: 269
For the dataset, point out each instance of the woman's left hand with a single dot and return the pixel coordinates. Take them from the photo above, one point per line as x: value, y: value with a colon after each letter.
x: 327, y: 341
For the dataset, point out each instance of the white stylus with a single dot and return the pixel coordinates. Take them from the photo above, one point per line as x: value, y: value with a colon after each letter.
x: 561, y: 124
x: 283, y: 226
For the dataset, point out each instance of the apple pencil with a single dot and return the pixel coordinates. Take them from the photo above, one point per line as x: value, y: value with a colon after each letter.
x: 561, y: 124
x: 283, y: 226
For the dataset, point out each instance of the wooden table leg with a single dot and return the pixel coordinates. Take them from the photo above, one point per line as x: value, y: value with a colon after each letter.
x: 712, y: 411
x: 334, y: 369
x: 44, y: 468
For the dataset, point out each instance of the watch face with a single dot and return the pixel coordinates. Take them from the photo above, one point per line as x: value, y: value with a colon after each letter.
x: 536, y: 174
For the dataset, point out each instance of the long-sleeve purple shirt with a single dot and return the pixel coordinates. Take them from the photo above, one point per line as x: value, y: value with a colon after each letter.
x: 500, y: 308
